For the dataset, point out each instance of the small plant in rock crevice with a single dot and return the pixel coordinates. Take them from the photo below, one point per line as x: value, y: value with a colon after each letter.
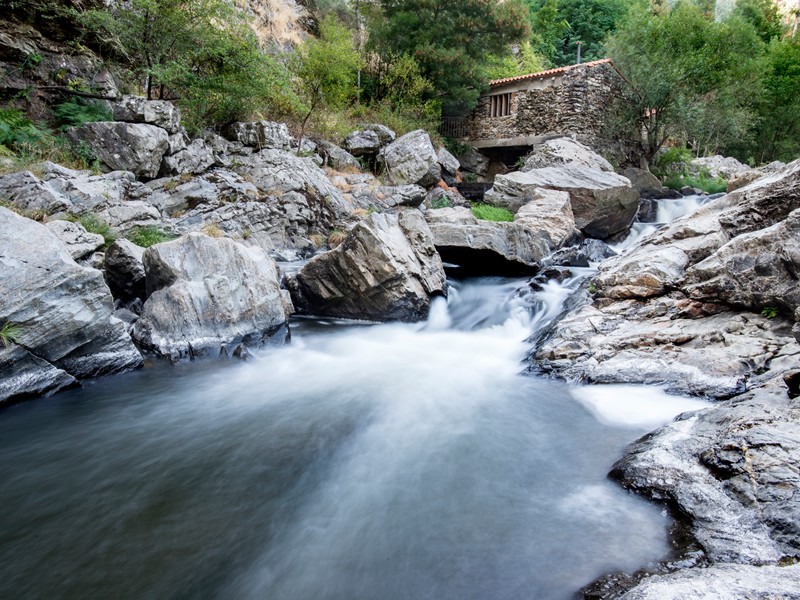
x: 94, y: 224
x: 149, y: 236
x: 8, y: 334
x: 770, y: 312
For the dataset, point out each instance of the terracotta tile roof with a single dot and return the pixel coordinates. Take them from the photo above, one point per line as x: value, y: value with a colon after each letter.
x: 547, y: 73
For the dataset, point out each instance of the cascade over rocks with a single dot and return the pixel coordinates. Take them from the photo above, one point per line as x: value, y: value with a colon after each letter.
x: 603, y: 203
x: 411, y: 159
x: 543, y: 224
x: 386, y: 270
x: 135, y: 147
x: 208, y: 297
x: 61, y: 310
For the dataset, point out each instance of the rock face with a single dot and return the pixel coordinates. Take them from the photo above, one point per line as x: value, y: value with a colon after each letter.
x: 135, y: 109
x: 135, y: 147
x: 386, y: 270
x: 565, y: 151
x: 62, y: 313
x: 79, y: 241
x: 411, y: 159
x: 337, y: 158
x: 195, y: 158
x: 542, y: 225
x: 25, y: 191
x: 603, y: 203
x: 208, y: 297
x: 647, y: 184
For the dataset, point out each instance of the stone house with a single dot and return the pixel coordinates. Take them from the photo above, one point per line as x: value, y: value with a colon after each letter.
x: 519, y: 112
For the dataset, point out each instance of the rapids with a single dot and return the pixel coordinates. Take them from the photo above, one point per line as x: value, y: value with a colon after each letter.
x: 361, y: 461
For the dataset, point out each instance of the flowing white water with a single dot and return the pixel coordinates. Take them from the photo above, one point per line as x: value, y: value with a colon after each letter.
x: 666, y: 212
x: 362, y: 461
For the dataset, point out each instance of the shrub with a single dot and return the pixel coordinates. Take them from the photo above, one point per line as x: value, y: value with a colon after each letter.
x: 213, y: 230
x: 76, y: 111
x: 149, y: 236
x: 703, y: 182
x: 441, y: 202
x: 336, y: 238
x: 487, y: 212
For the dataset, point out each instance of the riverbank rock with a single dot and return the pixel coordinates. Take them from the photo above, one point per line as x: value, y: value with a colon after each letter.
x: 62, y: 313
x: 386, y: 270
x: 733, y: 469
x: 411, y: 159
x: 80, y: 242
x: 721, y: 582
x: 208, y: 297
x: 565, y: 151
x: 543, y: 224
x: 603, y: 203
x: 134, y: 147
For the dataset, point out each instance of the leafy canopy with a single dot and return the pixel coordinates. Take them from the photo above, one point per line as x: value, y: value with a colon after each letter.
x: 451, y: 41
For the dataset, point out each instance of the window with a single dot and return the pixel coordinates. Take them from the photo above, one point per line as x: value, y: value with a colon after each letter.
x: 500, y: 105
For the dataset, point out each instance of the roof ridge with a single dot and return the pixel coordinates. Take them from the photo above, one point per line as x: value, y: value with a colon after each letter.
x: 539, y: 74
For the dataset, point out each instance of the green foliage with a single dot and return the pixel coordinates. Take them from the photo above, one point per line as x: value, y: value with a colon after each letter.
x: 8, y: 333
x: 487, y: 212
x: 76, y: 111
x: 326, y: 68
x: 519, y: 62
x: 200, y: 53
x: 711, y: 185
x: 440, y: 202
x: 762, y: 15
x: 450, y: 41
x: 672, y: 161
x: 94, y: 224
x: 17, y: 132
x: 694, y: 78
x: 148, y: 236
x: 770, y: 312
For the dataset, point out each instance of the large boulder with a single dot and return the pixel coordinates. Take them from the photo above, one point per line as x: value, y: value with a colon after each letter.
x: 337, y: 158
x: 135, y: 147
x: 647, y: 184
x: 368, y: 140
x: 565, y: 151
x: 62, y: 313
x: 474, y: 162
x: 447, y: 161
x: 754, y: 270
x: 542, y: 225
x: 136, y: 109
x: 386, y: 270
x: 603, y: 203
x: 208, y: 297
x: 411, y: 159
x: 260, y: 134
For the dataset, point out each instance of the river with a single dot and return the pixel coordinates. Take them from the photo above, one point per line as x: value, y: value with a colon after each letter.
x: 361, y: 461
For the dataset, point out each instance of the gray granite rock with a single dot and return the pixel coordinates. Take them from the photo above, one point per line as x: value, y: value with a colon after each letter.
x: 136, y: 109
x: 79, y: 241
x: 207, y: 297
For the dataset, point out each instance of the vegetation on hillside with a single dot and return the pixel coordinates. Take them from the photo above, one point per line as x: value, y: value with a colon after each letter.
x: 713, y: 85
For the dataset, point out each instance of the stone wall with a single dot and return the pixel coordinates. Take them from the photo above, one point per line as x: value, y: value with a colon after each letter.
x: 573, y: 101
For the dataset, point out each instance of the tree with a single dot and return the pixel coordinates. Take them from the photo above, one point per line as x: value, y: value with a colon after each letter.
x: 763, y: 15
x: 589, y: 22
x: 450, y: 41
x: 200, y: 53
x: 547, y: 27
x: 326, y: 67
x: 693, y: 78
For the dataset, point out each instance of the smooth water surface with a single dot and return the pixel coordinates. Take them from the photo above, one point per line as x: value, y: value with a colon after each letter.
x: 359, y: 462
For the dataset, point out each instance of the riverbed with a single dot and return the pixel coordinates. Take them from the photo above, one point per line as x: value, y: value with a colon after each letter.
x: 359, y: 461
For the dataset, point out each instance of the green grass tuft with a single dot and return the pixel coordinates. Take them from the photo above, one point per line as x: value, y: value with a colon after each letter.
x: 149, y: 236
x: 486, y: 212
x: 94, y: 224
x: 8, y: 333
